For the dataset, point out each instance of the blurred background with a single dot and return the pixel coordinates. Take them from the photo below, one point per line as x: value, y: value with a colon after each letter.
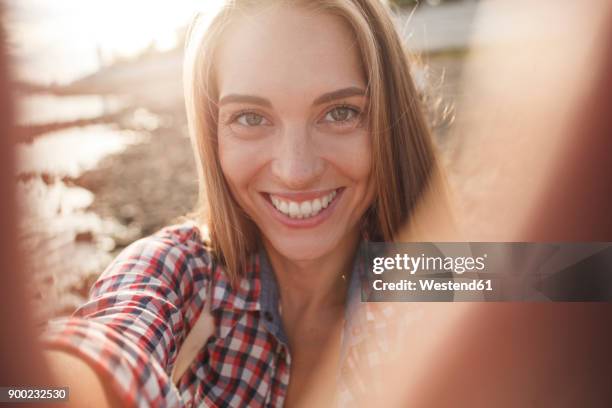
x: 104, y: 156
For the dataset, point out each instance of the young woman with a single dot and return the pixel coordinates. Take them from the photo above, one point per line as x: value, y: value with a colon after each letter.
x: 309, y: 138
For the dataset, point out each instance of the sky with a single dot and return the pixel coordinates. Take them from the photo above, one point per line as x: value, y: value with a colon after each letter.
x: 58, y: 40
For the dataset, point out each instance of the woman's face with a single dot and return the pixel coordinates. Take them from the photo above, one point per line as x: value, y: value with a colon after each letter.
x: 293, y: 138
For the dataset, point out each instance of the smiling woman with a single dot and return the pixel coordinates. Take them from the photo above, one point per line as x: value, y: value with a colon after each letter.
x: 309, y: 139
x: 279, y: 74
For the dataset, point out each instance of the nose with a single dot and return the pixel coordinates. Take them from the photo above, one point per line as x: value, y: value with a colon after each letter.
x: 297, y: 163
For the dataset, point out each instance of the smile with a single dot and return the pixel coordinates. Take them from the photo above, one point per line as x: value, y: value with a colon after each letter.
x: 304, y: 209
x: 298, y: 208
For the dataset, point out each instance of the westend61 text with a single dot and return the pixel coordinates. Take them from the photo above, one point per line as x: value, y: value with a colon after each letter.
x: 433, y: 285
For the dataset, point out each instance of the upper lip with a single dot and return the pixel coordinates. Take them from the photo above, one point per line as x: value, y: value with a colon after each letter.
x: 302, y: 195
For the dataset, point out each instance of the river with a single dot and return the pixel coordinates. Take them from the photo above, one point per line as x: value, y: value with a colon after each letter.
x: 66, y: 244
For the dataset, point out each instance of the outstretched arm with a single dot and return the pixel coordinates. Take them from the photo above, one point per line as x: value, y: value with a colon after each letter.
x: 129, y: 332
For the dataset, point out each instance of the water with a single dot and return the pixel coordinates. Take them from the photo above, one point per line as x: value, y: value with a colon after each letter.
x: 72, y: 151
x: 66, y: 245
x: 42, y: 108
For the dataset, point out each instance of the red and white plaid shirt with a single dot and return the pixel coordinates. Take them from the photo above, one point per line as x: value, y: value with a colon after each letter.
x: 143, y: 306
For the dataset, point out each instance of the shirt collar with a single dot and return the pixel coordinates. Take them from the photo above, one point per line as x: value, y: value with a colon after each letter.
x: 269, y: 299
x: 242, y: 297
x: 258, y: 291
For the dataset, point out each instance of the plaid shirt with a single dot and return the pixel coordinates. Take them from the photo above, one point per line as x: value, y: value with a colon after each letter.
x: 142, y: 307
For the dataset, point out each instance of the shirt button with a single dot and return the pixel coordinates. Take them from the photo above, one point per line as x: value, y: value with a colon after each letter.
x: 268, y: 316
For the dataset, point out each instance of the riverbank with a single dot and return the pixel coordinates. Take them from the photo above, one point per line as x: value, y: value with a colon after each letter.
x: 147, y: 185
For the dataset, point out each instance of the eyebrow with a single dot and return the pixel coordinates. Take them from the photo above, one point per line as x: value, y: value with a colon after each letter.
x: 325, y: 98
x: 236, y: 98
x: 339, y: 94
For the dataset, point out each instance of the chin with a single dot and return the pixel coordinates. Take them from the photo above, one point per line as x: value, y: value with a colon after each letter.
x: 297, y: 249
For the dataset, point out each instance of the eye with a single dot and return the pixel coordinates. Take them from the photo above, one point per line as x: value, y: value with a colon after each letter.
x: 251, y: 119
x: 341, y: 114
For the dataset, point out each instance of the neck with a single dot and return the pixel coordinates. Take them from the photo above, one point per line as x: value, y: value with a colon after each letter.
x: 309, y: 285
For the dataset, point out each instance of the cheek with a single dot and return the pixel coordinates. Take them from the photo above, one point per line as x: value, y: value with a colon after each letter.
x: 238, y: 160
x: 362, y: 171
x: 357, y: 165
x: 362, y: 163
x: 236, y: 170
x: 352, y: 156
x: 229, y: 165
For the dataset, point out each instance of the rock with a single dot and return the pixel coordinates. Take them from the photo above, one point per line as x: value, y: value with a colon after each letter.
x: 86, y: 236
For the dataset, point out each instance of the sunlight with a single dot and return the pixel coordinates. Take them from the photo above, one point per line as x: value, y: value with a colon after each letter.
x: 60, y: 41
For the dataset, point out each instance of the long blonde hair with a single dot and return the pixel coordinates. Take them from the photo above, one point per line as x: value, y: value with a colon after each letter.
x: 403, y: 157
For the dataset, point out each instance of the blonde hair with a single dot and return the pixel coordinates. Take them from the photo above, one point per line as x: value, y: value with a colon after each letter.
x: 403, y: 158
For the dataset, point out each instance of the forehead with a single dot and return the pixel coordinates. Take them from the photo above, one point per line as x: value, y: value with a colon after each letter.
x: 287, y: 50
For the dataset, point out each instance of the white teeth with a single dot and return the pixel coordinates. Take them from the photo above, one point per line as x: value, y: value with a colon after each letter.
x: 294, y: 209
x: 316, y: 205
x: 325, y: 202
x: 283, y: 207
x: 305, y: 209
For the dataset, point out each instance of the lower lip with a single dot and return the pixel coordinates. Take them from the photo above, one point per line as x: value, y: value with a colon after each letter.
x: 309, y: 222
